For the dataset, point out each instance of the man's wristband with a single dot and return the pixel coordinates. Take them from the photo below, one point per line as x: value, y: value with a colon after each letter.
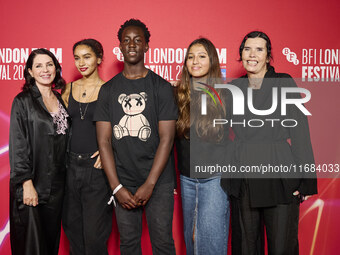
x: 112, y: 198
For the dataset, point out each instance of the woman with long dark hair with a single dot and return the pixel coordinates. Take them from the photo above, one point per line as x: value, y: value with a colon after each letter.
x: 272, y: 198
x: 199, y: 143
x: 37, y: 148
x: 87, y: 218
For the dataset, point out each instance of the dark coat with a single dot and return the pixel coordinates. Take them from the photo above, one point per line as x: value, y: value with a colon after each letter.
x: 35, y: 149
x: 269, y: 145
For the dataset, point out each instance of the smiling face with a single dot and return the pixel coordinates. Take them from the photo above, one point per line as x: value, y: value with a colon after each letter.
x: 43, y: 70
x: 255, y: 57
x: 133, y: 45
x: 85, y: 60
x: 198, y: 62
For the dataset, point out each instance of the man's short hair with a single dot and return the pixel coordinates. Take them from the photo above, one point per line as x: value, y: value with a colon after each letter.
x: 134, y: 23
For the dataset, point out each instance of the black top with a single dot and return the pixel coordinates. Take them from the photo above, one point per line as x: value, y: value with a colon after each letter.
x: 83, y: 139
x: 134, y: 108
x: 269, y: 145
x: 183, y: 155
x: 196, y: 155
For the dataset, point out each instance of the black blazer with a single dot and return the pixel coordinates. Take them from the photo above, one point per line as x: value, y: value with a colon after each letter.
x: 35, y: 149
x: 268, y: 145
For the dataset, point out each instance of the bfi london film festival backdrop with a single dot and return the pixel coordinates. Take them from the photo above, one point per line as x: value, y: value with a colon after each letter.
x: 305, y: 40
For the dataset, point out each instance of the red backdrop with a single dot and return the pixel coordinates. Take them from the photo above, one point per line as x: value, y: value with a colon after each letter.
x: 308, y: 29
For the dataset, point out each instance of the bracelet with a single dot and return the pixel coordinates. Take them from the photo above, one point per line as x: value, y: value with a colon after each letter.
x: 112, y: 198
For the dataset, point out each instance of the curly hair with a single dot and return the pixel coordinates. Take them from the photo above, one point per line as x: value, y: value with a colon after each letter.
x: 59, y: 82
x: 134, y: 23
x: 96, y: 46
x: 185, y: 96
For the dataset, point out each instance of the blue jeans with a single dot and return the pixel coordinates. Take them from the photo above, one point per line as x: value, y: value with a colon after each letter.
x: 206, y: 215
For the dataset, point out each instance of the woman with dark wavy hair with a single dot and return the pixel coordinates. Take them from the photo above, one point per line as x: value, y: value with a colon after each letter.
x: 37, y: 146
x: 198, y: 143
x: 87, y: 218
x: 273, y: 199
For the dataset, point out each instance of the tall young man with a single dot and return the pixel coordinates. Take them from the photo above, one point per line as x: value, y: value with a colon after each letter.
x: 136, y: 116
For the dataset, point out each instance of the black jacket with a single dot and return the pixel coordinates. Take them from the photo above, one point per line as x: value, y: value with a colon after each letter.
x: 268, y: 145
x: 35, y: 149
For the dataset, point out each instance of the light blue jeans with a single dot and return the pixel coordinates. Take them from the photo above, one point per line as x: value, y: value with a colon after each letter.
x: 206, y: 214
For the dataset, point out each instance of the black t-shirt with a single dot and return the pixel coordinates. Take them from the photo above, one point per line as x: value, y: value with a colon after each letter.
x: 134, y: 108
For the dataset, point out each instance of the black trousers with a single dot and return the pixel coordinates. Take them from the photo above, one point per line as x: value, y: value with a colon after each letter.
x: 237, y: 230
x: 159, y: 214
x: 87, y: 218
x: 281, y: 223
x: 36, y: 230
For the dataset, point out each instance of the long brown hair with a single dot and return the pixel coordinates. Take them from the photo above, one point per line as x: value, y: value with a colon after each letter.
x: 186, y: 95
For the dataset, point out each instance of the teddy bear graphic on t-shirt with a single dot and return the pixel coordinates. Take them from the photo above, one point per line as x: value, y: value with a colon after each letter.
x: 133, y: 123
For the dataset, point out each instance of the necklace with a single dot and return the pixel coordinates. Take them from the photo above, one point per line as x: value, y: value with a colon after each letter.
x: 82, y: 115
